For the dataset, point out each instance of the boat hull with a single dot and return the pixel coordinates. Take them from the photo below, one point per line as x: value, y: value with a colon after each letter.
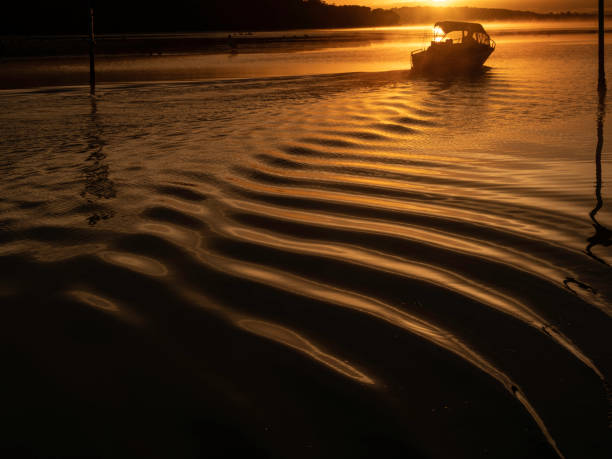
x: 456, y: 58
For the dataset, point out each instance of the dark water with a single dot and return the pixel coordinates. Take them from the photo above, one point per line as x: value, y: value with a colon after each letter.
x: 341, y: 265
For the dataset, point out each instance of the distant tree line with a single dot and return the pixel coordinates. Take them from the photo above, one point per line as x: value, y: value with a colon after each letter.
x: 57, y: 17
x: 427, y: 15
x: 121, y: 16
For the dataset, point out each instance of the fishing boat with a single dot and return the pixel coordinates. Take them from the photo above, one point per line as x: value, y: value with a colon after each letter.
x: 456, y: 47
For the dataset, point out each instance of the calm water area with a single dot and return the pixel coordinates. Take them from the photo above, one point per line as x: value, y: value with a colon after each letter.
x: 309, y: 253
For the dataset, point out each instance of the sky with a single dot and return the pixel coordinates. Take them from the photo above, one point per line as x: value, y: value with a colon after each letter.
x: 533, y: 5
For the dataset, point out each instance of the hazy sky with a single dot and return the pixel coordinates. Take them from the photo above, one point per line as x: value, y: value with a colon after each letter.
x: 534, y: 5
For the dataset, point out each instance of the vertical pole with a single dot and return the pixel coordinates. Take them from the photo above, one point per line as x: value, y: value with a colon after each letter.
x: 602, y: 71
x: 602, y: 236
x: 92, y: 55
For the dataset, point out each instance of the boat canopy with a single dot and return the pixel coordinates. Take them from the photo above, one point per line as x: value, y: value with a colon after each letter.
x: 451, y: 26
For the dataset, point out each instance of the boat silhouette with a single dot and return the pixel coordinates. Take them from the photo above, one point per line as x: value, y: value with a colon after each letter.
x: 456, y: 47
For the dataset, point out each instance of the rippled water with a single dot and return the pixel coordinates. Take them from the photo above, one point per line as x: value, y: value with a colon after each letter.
x: 339, y: 265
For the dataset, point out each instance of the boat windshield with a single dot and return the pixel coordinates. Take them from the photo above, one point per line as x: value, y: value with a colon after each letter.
x: 460, y: 36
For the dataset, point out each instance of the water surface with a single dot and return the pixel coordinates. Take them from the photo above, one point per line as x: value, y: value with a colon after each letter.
x: 326, y: 257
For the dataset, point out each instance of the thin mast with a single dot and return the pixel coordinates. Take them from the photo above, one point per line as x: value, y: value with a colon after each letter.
x: 602, y: 70
x: 92, y: 55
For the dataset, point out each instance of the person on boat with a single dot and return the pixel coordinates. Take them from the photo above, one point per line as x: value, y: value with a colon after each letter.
x: 468, y: 38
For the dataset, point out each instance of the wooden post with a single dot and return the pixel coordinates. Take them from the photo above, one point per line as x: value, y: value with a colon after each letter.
x: 92, y: 55
x: 602, y: 236
x: 602, y: 70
